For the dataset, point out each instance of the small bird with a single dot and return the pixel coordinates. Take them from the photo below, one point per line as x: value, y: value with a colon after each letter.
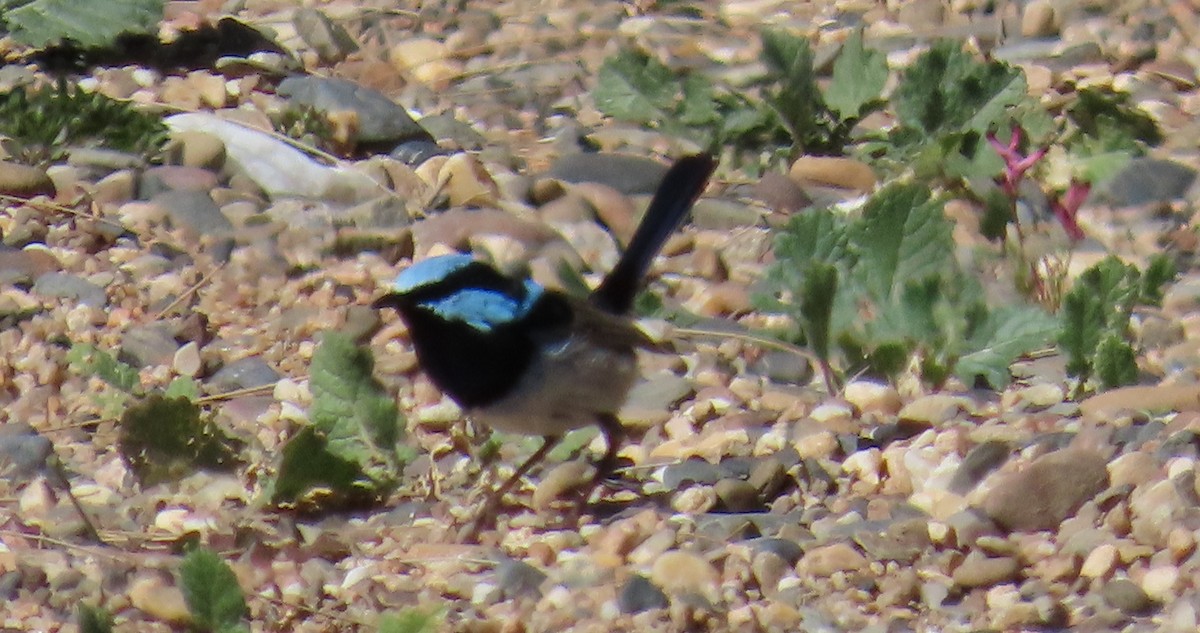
x: 525, y: 359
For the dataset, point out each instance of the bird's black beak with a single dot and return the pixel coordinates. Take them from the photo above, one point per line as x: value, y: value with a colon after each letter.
x: 391, y: 300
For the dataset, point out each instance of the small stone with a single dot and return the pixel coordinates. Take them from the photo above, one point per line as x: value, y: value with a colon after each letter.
x: 768, y: 570
x: 769, y: 478
x: 329, y: 39
x: 638, y: 594
x: 162, y: 178
x: 1039, y: 20
x: 148, y: 346
x: 690, y: 472
x: 151, y: 595
x: 1125, y: 595
x: 683, y: 572
x: 934, y: 409
x: 978, y: 463
x: 426, y: 60
x: 561, y: 479
x: 977, y: 570
x: 244, y: 373
x: 194, y: 210
x: 1148, y: 180
x: 518, y: 579
x: 1099, y: 562
x: 829, y: 559
x: 626, y: 173
x: 187, y: 360
x: 1160, y: 582
x: 467, y: 183
x: 780, y: 193
x: 1048, y: 492
x: 873, y: 397
x: 837, y: 172
x: 23, y: 181
x: 902, y: 541
x: 786, y: 549
x: 23, y: 452
x: 59, y: 285
x: 735, y: 495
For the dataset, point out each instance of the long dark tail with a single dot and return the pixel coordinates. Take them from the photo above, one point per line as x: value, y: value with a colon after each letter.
x: 684, y: 182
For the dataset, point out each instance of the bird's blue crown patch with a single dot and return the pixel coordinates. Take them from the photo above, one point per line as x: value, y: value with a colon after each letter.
x: 429, y: 271
x: 485, y: 309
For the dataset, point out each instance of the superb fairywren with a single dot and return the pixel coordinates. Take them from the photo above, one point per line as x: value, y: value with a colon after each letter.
x: 525, y: 359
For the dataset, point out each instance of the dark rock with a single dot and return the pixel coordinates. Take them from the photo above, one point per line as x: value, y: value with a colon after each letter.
x: 737, y: 495
x: 1149, y: 180
x: 689, y: 473
x: 23, y: 181
x: 67, y: 286
x: 328, y: 38
x: 784, y: 368
x: 736, y: 466
x: 446, y: 128
x: 164, y: 178
x: 148, y: 346
x: 790, y: 551
x: 194, y: 210
x: 769, y: 477
x: 980, y: 461
x: 626, y: 173
x: 901, y: 541
x: 415, y: 152
x: 1124, y: 594
x: 517, y: 579
x: 638, y: 594
x: 244, y: 373
x: 977, y: 570
x: 380, y: 120
x: 23, y: 452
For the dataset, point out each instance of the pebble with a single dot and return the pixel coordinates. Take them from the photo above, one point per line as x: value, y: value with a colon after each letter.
x: 1125, y: 595
x: 768, y: 570
x: 57, y: 285
x: 826, y: 560
x: 934, y: 409
x: 1048, y: 491
x: 1099, y: 562
x: 561, y: 479
x: 1039, y: 19
x: 148, y: 346
x: 151, y: 595
x: 979, y: 462
x: 23, y: 451
x: 977, y: 570
x: 837, y: 172
x: 680, y: 572
x: 23, y: 181
x: 1160, y: 582
x: 625, y: 173
x: 1148, y: 180
x: 244, y: 373
x: 639, y: 594
x: 736, y: 495
x: 518, y: 579
x: 873, y: 397
x: 195, y: 210
x: 329, y: 39
x: 690, y: 472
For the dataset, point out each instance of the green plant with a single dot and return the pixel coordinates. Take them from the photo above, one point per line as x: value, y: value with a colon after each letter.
x: 86, y: 22
x: 162, y: 433
x: 883, y: 286
x: 43, y: 124
x: 1095, y: 333
x: 212, y: 594
x: 351, y: 453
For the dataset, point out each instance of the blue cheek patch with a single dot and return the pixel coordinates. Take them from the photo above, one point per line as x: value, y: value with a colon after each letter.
x: 429, y: 271
x: 485, y: 310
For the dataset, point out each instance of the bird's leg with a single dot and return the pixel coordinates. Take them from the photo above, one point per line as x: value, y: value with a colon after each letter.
x: 613, y: 432
x: 487, y: 513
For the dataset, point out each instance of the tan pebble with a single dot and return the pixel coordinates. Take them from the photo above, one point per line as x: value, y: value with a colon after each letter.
x: 695, y: 500
x: 831, y: 413
x: 1039, y: 20
x: 1040, y: 396
x: 1099, y: 562
x: 152, y: 596
x: 934, y: 409
x: 977, y: 570
x: 612, y: 208
x: 684, y: 572
x: 865, y: 465
x: 780, y: 616
x: 36, y: 500
x: 1134, y: 469
x: 1177, y: 398
x: 426, y: 60
x: 187, y: 359
x: 826, y: 560
x: 623, y: 536
x: 566, y: 209
x: 870, y: 396
x: 561, y: 479
x: 1159, y: 582
x: 467, y: 183
x: 816, y: 445
x: 722, y: 299
x: 768, y: 569
x: 653, y: 547
x: 836, y: 172
x: 1181, y: 542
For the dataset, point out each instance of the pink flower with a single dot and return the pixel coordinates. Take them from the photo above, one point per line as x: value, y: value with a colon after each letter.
x: 1015, y: 164
x: 1066, y: 208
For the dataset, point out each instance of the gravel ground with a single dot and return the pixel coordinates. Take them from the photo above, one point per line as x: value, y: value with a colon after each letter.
x: 753, y: 500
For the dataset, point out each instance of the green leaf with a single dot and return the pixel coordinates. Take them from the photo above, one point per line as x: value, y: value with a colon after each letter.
x: 1006, y: 334
x: 411, y: 620
x: 947, y: 88
x: 633, y: 86
x: 798, y: 101
x: 355, y: 414
x: 211, y: 591
x: 903, y: 237
x: 1102, y: 113
x: 183, y: 387
x: 572, y: 443
x: 997, y: 214
x: 1098, y: 304
x: 93, y: 619
x: 86, y: 360
x: 859, y: 76
x: 1116, y: 362
x: 312, y: 476
x: 87, y: 22
x: 163, y: 439
x: 1160, y: 272
x: 816, y: 306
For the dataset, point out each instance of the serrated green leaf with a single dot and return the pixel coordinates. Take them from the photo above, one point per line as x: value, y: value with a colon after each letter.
x: 699, y: 106
x: 93, y: 619
x: 1115, y: 362
x: 859, y: 75
x: 1109, y: 116
x: 947, y: 88
x: 211, y: 591
x: 903, y: 237
x: 163, y: 439
x: 1007, y: 334
x: 312, y: 476
x: 1160, y: 272
x: 354, y: 413
x: 89, y: 361
x: 1098, y: 304
x: 797, y: 100
x: 87, y: 22
x: 633, y: 86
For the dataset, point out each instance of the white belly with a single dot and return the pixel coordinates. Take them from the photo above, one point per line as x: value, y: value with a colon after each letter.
x: 563, y: 390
